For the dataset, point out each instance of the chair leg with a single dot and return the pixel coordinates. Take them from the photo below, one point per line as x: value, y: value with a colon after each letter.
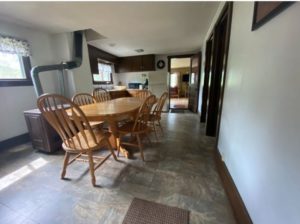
x: 92, y: 170
x: 155, y: 133
x: 148, y: 138
x: 111, y: 149
x: 118, y: 144
x: 65, y: 164
x: 159, y: 124
x: 140, y: 146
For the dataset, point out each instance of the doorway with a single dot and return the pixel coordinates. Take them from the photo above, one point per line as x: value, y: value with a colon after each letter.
x: 184, y: 72
x: 215, y: 72
x: 180, y: 69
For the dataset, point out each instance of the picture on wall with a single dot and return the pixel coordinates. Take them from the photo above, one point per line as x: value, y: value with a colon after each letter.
x: 265, y: 11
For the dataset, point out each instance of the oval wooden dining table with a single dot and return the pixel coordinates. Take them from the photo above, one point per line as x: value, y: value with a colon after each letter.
x: 113, y: 111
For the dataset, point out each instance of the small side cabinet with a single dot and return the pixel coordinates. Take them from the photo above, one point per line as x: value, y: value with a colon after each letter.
x: 43, y: 136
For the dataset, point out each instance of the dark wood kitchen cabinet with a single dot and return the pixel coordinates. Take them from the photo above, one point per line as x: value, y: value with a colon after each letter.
x: 43, y: 136
x: 136, y: 64
x: 148, y: 62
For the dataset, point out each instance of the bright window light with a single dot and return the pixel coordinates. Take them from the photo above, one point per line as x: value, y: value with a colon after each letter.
x: 22, y: 172
x: 173, y: 80
x: 38, y: 163
x: 11, y: 66
x: 105, y: 71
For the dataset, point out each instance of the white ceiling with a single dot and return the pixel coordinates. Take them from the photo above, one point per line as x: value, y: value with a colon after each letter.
x: 156, y: 27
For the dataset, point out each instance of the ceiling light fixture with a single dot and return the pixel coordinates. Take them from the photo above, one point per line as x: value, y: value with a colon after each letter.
x: 139, y: 50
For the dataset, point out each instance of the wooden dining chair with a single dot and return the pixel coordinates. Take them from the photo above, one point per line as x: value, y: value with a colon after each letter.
x: 155, y: 116
x: 82, y: 99
x: 138, y: 127
x: 75, y: 131
x: 101, y: 95
x: 143, y: 94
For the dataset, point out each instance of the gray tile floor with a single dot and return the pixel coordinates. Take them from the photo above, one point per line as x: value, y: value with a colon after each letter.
x: 179, y: 171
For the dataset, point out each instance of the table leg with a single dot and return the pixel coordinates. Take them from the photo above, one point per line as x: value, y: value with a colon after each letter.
x: 114, y: 139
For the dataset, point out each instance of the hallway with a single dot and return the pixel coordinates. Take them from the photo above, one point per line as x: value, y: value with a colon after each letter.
x: 179, y: 171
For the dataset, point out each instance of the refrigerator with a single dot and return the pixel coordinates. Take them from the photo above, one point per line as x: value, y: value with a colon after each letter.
x: 158, y: 84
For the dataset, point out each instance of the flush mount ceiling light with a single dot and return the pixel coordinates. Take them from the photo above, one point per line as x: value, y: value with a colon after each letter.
x: 139, y: 50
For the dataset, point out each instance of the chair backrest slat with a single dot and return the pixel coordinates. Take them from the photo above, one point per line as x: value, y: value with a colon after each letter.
x: 72, y: 126
x: 101, y: 95
x: 83, y: 99
x: 143, y: 94
x: 142, y: 117
x: 160, y: 104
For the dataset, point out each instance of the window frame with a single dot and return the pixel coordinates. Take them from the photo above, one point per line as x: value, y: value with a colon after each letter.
x: 111, y: 82
x: 25, y: 63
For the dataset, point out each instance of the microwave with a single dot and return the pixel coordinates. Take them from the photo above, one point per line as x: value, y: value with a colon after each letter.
x: 134, y: 85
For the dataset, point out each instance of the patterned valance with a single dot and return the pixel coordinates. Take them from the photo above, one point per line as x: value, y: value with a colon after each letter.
x: 14, y: 46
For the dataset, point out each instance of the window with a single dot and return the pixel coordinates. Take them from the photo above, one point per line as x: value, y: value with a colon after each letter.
x: 105, y: 74
x: 14, y: 62
x: 173, y: 80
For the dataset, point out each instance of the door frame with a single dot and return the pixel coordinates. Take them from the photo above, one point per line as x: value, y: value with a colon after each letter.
x: 218, y: 96
x: 207, y: 75
x: 169, y: 70
x: 199, y: 54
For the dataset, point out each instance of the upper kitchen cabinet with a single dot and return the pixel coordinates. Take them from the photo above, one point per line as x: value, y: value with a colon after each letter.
x: 148, y: 62
x: 136, y: 64
x: 96, y: 54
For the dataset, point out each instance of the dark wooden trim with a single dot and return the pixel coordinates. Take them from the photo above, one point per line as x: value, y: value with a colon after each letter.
x: 20, y: 82
x: 207, y: 74
x: 239, y: 209
x: 194, y: 108
x: 225, y: 61
x: 256, y: 24
x: 15, y: 141
x: 222, y: 29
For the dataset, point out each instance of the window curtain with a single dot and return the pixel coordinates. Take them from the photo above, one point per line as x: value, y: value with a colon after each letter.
x: 14, y: 46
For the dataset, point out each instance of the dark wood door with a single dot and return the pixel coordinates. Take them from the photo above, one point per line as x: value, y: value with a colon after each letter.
x: 206, y: 83
x: 218, y: 74
x: 194, y: 82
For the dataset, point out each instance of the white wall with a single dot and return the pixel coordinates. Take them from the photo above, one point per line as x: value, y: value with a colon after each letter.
x: 46, y: 49
x: 62, y: 45
x: 82, y: 75
x: 14, y: 100
x: 130, y: 77
x: 260, y: 125
x: 78, y: 79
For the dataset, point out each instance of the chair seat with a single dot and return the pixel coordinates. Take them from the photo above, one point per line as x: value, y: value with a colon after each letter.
x: 128, y: 128
x: 81, y: 145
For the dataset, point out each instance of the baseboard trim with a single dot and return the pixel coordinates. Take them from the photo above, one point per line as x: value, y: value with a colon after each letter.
x: 15, y: 141
x: 239, y: 209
